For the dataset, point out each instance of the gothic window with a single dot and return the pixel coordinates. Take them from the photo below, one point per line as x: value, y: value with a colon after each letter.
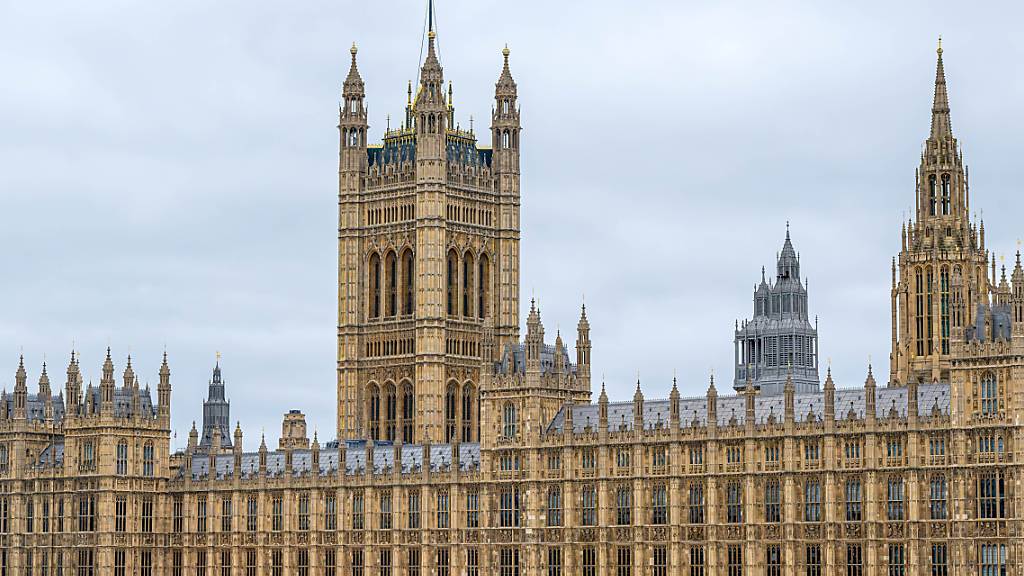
x: 931, y: 195
x: 509, y: 507
x: 431, y: 127
x: 468, y: 393
x: 554, y: 515
x: 919, y: 310
x: 991, y: 495
x: 505, y: 142
x: 450, y: 405
x: 384, y: 504
x: 390, y: 411
x: 772, y: 501
x: 854, y: 560
x: 623, y: 506
x: 375, y: 281
x: 408, y: 413
x: 894, y: 498
x: 467, y: 285
x: 483, y: 282
x: 992, y: 559
x: 734, y: 560
x: 734, y: 502
x: 944, y: 307
x: 773, y: 560
x: 812, y: 501
x: 472, y: 509
x: 453, y: 286
x: 989, y: 394
x: 659, y: 504
x: 147, y: 459
x: 373, y: 411
x: 392, y: 272
x: 88, y: 457
x: 852, y: 500
x: 813, y: 558
x: 697, y: 558
x: 509, y: 420
x: 122, y: 458
x: 358, y: 508
x: 946, y: 199
x: 897, y: 560
x: 930, y: 343
x: 5, y: 459
x: 938, y: 498
x: 588, y: 513
x: 696, y: 503
x: 413, y: 498
x: 410, y: 271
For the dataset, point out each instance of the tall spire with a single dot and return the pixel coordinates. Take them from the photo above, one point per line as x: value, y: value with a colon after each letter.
x: 941, y: 127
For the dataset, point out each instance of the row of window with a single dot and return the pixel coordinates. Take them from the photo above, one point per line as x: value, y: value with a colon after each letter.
x: 990, y: 558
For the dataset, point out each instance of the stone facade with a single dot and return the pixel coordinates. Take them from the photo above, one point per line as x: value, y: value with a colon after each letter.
x: 463, y: 451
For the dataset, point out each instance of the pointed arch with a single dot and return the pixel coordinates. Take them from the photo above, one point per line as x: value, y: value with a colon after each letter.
x: 483, y: 286
x: 946, y: 197
x: 375, y: 285
x: 467, y: 284
x: 122, y: 457
x: 408, y: 412
x: 452, y: 282
x: 409, y: 282
x: 451, y: 407
x: 148, y: 459
x: 468, y: 415
x: 931, y: 195
x: 391, y: 271
x: 390, y: 411
x: 509, y: 420
x: 373, y: 411
x: 989, y: 394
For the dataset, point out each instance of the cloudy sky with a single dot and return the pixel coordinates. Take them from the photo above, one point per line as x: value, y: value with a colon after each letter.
x: 168, y: 173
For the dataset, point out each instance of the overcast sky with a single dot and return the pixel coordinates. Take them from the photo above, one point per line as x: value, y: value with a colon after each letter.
x: 168, y: 174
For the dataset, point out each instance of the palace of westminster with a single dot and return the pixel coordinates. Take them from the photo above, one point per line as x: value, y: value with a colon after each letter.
x: 464, y: 450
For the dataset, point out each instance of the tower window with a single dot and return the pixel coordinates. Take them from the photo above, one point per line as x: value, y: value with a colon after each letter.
x: 375, y: 285
x: 931, y: 195
x: 946, y: 200
x: 989, y: 395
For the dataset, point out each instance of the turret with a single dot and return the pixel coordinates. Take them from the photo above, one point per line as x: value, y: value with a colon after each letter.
x: 534, y: 339
x: 193, y: 438
x: 559, y: 356
x: 674, y: 405
x: 315, y: 456
x: 830, y: 399
x: 712, y: 400
x: 45, y: 395
x: 73, y: 385
x: 164, y: 389
x: 1018, y: 297
x: 505, y: 128
x: 749, y: 395
x: 870, y: 411
x: 20, y: 391
x: 263, y: 455
x: 583, y: 349
x: 107, y: 387
x: 788, y: 392
x: 638, y: 408
x: 352, y: 126
x: 602, y: 411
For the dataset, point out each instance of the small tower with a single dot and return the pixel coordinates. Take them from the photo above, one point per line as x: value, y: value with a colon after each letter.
x: 638, y: 408
x: 163, y: 390
x: 583, y: 350
x: 45, y: 396
x: 107, y: 387
x: 216, y: 412
x: 73, y: 387
x: 674, y: 405
x: 20, y: 391
x: 870, y: 389
x: 830, y: 398
x: 505, y: 127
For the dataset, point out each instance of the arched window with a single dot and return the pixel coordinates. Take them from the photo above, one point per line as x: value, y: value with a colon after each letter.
x: 468, y: 394
x: 509, y: 420
x: 453, y: 287
x: 408, y: 413
x: 931, y: 195
x: 944, y: 308
x: 375, y: 282
x: 431, y: 126
x: 391, y: 265
x: 390, y: 411
x: 919, y: 311
x: 946, y: 199
x: 467, y: 285
x: 122, y: 458
x: 989, y: 394
x: 147, y: 459
x: 483, y: 282
x: 409, y: 269
x: 505, y: 143
x: 450, y: 405
x: 374, y: 412
x: 5, y: 459
x: 88, y: 456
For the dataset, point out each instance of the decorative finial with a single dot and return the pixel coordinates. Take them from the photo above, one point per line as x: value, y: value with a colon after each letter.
x: 218, y: 356
x: 505, y: 52
x: 354, y: 50
x: 939, y: 49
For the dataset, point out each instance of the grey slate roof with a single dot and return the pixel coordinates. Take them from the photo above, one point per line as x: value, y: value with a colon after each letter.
x: 410, y: 460
x: 35, y: 407
x: 123, y: 402
x: 849, y: 404
x: 514, y: 359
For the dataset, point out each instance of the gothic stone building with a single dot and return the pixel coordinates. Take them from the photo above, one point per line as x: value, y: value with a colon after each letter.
x: 463, y: 451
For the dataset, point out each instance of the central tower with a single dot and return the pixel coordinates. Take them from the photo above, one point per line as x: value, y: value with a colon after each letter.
x: 428, y: 256
x: 942, y: 264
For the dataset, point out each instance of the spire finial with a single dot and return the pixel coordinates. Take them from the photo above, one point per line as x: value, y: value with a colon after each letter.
x: 505, y: 52
x: 354, y: 50
x: 939, y: 49
x: 430, y: 9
